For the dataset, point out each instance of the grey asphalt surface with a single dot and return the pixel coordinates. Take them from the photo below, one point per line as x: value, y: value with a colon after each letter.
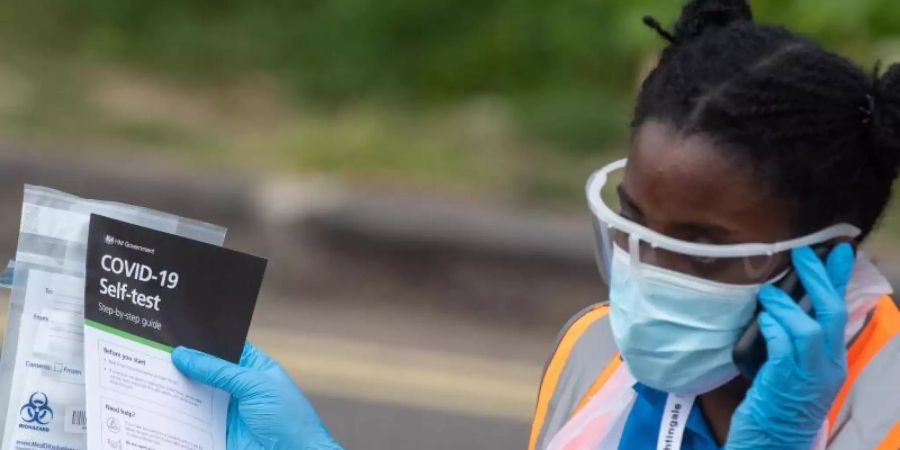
x: 359, y: 424
x: 386, y: 378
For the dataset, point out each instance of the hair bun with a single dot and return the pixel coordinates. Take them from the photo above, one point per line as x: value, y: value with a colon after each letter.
x: 699, y: 16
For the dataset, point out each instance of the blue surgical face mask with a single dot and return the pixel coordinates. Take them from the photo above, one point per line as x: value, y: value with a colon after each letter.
x: 674, y: 331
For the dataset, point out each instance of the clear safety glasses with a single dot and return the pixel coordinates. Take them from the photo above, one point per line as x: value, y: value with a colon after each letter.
x: 745, y: 263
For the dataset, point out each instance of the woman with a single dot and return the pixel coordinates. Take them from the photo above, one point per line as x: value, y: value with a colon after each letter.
x: 742, y: 134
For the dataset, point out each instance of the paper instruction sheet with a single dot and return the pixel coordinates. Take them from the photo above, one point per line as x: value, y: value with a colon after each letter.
x: 145, y: 293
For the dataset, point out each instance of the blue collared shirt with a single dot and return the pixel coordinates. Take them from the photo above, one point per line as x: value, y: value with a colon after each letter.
x: 642, y: 426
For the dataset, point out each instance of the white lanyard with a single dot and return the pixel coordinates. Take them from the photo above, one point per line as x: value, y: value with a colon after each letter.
x: 674, y: 419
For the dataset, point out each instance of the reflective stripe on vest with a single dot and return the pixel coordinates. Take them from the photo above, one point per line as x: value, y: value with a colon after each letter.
x: 865, y: 414
x: 583, y: 350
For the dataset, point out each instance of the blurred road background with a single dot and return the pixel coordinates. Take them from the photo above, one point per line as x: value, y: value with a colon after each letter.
x: 413, y: 169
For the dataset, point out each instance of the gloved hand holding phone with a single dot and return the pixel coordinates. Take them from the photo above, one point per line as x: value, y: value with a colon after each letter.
x: 267, y: 410
x: 791, y: 395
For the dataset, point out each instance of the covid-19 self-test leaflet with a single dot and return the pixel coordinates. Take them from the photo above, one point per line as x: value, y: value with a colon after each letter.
x: 42, y: 365
x: 145, y: 293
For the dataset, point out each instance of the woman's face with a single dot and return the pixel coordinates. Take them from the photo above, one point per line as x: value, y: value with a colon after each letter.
x: 683, y: 187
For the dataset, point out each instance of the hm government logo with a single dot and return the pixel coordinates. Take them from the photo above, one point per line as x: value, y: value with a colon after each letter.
x: 36, y: 413
x: 109, y: 239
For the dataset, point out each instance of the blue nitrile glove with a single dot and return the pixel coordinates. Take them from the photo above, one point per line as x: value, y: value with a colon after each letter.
x: 794, y: 389
x: 267, y: 410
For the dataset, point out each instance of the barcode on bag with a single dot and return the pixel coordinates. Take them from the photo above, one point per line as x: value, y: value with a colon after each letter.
x: 76, y: 421
x: 78, y: 417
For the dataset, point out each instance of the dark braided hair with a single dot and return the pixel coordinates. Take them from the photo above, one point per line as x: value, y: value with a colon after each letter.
x: 820, y: 133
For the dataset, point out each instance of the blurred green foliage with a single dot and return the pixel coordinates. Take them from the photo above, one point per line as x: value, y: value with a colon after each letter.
x: 567, y: 67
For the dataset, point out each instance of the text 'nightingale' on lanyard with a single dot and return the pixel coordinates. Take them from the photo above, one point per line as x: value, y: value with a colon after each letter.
x: 674, y: 419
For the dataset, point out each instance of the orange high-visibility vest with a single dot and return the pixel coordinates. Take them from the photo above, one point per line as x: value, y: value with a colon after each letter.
x: 865, y: 414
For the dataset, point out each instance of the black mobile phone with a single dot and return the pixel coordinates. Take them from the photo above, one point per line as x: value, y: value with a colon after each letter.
x: 749, y: 353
